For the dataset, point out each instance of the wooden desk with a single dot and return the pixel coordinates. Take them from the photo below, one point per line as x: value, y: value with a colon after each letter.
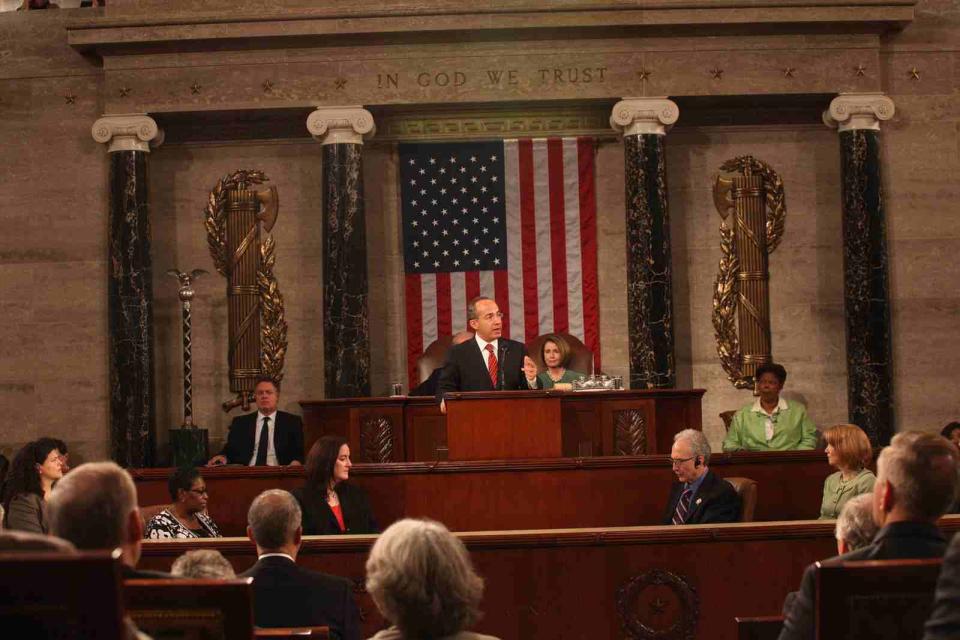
x: 593, y: 583
x: 594, y: 423
x: 520, y: 494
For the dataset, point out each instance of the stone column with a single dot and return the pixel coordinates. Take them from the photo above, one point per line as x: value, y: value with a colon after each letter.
x: 130, y: 289
x: 865, y: 291
x: 644, y: 123
x: 346, y: 335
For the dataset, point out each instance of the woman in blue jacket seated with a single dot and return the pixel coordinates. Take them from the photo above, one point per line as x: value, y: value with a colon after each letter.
x: 331, y: 505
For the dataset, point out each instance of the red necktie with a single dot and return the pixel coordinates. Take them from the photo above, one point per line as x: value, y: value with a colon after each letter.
x: 492, y: 366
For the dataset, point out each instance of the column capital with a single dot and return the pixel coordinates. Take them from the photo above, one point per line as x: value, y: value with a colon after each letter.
x: 858, y: 111
x: 128, y: 132
x: 633, y: 116
x: 338, y: 125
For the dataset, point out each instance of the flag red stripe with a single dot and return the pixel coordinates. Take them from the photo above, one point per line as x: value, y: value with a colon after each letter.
x: 501, y: 288
x: 588, y: 243
x: 444, y: 320
x: 414, y: 327
x: 528, y: 239
x: 558, y: 237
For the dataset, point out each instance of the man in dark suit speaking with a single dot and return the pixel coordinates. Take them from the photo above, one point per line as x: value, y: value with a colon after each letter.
x: 488, y: 362
x: 267, y: 437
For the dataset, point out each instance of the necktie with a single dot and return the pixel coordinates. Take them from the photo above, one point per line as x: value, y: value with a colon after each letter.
x: 263, y: 444
x: 492, y: 366
x: 683, y: 507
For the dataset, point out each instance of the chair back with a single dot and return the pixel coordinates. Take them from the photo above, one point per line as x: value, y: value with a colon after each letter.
x: 759, y: 628
x: 61, y: 595
x: 727, y: 417
x: 876, y: 599
x: 747, y: 490
x: 581, y: 358
x: 181, y: 608
x: 433, y: 357
x: 147, y: 513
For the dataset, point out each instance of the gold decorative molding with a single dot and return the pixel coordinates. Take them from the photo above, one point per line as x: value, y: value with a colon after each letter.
x: 128, y: 132
x: 535, y: 122
x: 858, y: 111
x: 634, y: 116
x: 341, y: 125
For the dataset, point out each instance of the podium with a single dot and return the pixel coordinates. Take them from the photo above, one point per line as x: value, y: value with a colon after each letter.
x: 503, y: 424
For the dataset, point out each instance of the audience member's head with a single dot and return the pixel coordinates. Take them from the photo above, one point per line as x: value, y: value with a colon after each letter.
x: 95, y: 507
x: 203, y: 564
x: 34, y: 470
x: 690, y: 455
x: 855, y: 526
x: 952, y: 432
x: 848, y: 447
x: 916, y: 478
x: 61, y: 447
x: 273, y: 523
x: 186, y: 486
x: 328, y: 463
x: 769, y: 379
x: 421, y: 579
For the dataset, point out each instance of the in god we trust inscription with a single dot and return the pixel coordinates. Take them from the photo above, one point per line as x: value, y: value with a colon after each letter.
x: 500, y: 77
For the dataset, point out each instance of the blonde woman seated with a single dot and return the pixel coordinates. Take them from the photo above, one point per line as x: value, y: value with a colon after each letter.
x: 421, y: 579
x: 848, y: 451
x: 555, y: 353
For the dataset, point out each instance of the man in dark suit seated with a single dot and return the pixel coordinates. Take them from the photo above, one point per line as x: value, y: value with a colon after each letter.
x: 284, y: 594
x: 267, y: 437
x: 488, y: 362
x: 698, y: 496
x: 916, y: 484
x: 94, y: 507
x: 944, y: 622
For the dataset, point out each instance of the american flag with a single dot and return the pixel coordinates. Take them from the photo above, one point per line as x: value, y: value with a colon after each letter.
x: 514, y: 220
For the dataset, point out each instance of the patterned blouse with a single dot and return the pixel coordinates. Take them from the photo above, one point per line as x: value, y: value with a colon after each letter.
x: 165, y: 526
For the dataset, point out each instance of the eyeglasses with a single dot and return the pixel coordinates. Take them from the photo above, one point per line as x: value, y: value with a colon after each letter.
x: 676, y: 462
x: 199, y: 492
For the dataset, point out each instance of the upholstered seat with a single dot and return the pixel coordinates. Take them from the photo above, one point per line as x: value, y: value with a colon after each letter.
x: 747, y: 490
x: 433, y: 357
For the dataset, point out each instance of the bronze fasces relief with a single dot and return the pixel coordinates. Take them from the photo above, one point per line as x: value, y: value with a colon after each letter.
x: 257, y: 331
x: 749, y: 196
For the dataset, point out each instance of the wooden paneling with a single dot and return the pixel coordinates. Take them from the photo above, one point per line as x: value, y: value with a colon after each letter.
x: 591, y: 583
x: 520, y: 494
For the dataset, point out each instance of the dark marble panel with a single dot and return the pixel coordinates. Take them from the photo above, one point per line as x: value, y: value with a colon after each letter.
x: 866, y: 298
x: 649, y: 288
x: 346, y: 328
x: 130, y: 307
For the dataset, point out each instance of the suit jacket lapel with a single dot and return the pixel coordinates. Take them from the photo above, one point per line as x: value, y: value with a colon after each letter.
x: 480, y: 362
x: 703, y: 493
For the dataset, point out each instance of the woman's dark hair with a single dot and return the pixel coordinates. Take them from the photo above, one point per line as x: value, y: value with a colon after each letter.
x: 321, y: 460
x: 23, y: 476
x: 949, y: 429
x: 181, y: 478
x: 774, y: 368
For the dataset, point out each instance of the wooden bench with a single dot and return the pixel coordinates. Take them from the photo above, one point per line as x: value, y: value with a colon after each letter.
x: 759, y: 627
x: 181, y: 608
x: 61, y: 595
x: 877, y: 599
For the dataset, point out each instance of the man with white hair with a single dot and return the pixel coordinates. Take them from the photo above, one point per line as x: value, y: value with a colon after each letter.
x: 95, y: 507
x: 916, y: 484
x: 698, y: 496
x: 284, y: 594
x: 855, y: 527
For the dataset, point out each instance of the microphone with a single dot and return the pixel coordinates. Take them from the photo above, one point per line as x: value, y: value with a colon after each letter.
x: 501, y: 369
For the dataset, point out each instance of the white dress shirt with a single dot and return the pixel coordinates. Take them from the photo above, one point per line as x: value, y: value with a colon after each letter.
x: 483, y: 349
x: 271, y: 448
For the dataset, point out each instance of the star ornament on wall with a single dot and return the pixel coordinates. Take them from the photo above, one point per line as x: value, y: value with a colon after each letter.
x: 860, y: 70
x: 124, y: 92
x: 717, y: 73
x: 195, y: 88
x: 643, y: 74
x: 914, y: 73
x: 70, y: 98
x: 340, y: 83
x: 267, y: 86
x: 788, y: 72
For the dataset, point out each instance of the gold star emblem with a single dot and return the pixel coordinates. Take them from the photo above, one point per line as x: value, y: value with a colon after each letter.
x: 70, y: 98
x: 340, y: 83
x: 267, y: 86
x: 643, y: 74
x: 788, y: 72
x: 195, y: 88
x: 914, y: 73
x: 124, y: 92
x: 860, y: 69
x: 717, y: 73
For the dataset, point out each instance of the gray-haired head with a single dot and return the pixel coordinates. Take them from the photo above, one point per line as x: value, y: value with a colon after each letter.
x: 274, y: 518
x: 203, y: 564
x: 91, y: 506
x: 698, y: 442
x: 921, y: 467
x: 421, y: 579
x: 855, y: 526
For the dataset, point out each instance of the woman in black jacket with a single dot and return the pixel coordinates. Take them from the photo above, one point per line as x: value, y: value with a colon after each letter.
x: 330, y: 504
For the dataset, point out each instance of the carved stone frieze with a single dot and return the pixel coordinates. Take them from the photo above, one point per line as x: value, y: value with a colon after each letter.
x: 133, y: 132
x: 337, y: 125
x: 376, y: 439
x: 858, y: 111
x: 658, y: 605
x: 634, y: 116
